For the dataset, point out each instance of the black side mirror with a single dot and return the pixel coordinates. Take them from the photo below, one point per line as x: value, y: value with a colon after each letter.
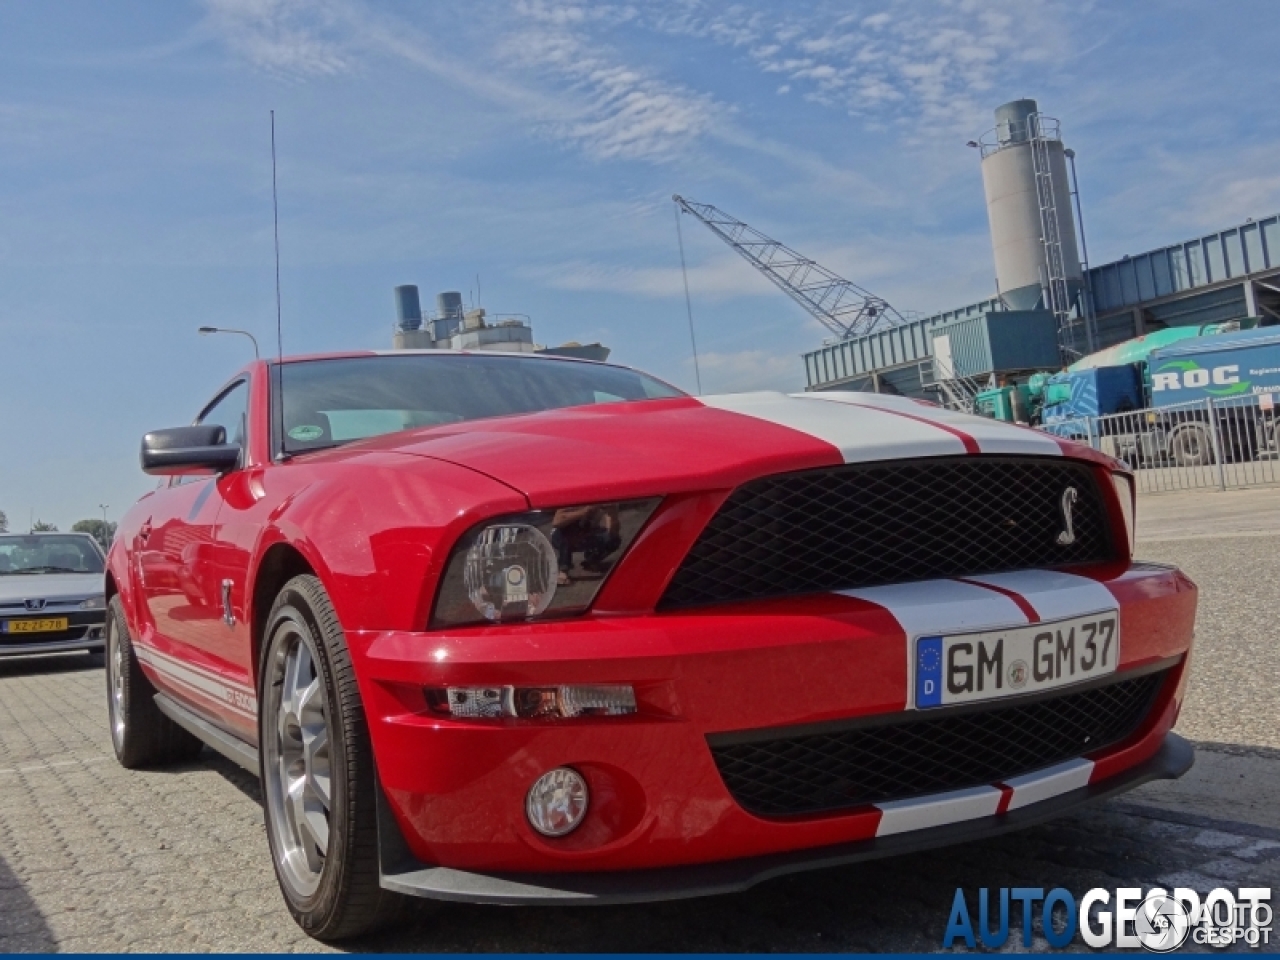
x: 187, y: 450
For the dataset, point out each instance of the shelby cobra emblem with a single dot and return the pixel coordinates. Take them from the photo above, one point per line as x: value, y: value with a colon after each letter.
x: 1068, y: 534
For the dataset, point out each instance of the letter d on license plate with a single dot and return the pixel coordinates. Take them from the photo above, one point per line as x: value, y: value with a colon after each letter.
x: 963, y: 667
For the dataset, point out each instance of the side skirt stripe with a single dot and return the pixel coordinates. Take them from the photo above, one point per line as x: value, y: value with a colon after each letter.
x: 225, y: 694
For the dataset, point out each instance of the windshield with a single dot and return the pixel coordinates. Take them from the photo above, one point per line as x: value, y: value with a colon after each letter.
x: 48, y: 553
x: 327, y: 402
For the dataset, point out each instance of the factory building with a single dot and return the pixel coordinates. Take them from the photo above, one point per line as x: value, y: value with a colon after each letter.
x: 452, y: 327
x: 1050, y: 308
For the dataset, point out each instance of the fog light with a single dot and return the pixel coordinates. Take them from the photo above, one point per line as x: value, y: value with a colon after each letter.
x: 557, y: 802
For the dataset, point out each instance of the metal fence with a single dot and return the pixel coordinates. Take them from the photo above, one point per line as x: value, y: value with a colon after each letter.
x: 1215, y: 444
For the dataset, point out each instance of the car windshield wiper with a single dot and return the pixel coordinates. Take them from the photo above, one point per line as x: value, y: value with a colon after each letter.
x: 44, y: 570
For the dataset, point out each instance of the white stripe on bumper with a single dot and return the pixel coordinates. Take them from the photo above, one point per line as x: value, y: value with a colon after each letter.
x: 1043, y: 784
x: 1055, y: 595
x: 901, y: 816
x: 942, y: 606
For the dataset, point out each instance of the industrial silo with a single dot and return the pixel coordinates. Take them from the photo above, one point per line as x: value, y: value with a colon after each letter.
x: 448, y: 314
x: 408, y: 309
x: 1025, y: 147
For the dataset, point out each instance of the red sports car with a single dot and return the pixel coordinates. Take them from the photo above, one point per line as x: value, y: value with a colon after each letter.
x: 513, y: 629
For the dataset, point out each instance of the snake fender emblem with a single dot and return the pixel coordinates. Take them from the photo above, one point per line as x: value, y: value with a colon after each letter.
x: 1068, y: 534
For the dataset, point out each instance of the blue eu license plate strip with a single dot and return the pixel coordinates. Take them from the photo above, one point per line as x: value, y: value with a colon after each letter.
x: 929, y: 672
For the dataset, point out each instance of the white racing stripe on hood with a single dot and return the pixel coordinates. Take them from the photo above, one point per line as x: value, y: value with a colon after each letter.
x: 860, y: 436
x: 992, y: 436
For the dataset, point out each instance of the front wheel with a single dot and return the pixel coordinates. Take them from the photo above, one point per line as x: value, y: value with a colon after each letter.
x: 318, y: 770
x: 1191, y: 446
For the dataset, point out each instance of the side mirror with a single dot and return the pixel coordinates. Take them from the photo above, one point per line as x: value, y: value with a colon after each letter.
x: 189, y: 450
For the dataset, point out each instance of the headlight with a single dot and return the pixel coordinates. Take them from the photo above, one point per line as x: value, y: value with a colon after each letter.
x: 93, y: 603
x: 1124, y: 493
x: 540, y: 564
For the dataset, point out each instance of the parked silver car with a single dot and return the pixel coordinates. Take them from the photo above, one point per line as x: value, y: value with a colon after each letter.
x: 51, y: 593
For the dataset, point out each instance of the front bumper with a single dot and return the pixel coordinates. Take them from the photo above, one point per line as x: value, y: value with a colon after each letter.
x: 403, y: 874
x: 86, y: 631
x: 455, y: 789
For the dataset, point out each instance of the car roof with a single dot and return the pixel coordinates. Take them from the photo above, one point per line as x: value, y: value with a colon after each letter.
x: 501, y: 354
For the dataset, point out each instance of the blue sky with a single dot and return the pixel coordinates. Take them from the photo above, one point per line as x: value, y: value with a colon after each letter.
x: 537, y: 145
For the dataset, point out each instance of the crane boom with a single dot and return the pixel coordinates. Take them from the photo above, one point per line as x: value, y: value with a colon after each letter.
x: 840, y: 305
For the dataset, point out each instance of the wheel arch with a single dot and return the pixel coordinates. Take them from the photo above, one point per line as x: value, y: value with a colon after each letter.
x: 281, y: 562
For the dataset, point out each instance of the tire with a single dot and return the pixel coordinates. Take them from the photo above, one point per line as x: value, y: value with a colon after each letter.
x: 312, y: 727
x: 1191, y: 446
x: 141, y: 735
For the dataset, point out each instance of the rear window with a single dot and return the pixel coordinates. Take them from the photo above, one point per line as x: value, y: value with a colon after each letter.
x: 328, y: 402
x: 48, y: 553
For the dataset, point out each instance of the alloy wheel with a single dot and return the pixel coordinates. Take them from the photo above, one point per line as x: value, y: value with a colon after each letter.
x: 116, y: 667
x: 296, y: 758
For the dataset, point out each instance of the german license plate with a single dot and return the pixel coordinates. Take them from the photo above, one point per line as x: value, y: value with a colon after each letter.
x: 964, y: 667
x: 42, y: 625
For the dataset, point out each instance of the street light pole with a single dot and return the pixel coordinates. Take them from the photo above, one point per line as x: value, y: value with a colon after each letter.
x: 243, y: 333
x: 103, y: 508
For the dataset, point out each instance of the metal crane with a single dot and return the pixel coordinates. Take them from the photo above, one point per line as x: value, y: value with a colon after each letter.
x: 840, y: 305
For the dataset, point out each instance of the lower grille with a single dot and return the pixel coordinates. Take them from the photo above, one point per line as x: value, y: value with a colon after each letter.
x: 924, y: 754
x: 49, y: 636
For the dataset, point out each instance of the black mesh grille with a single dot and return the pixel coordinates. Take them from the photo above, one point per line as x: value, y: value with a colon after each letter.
x: 894, y: 761
x: 865, y: 525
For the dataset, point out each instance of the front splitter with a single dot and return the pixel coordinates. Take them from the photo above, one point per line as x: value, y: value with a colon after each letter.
x: 403, y: 874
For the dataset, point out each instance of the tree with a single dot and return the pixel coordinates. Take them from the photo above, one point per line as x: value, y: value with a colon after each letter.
x: 41, y: 527
x: 101, y: 532
x: 4, y: 522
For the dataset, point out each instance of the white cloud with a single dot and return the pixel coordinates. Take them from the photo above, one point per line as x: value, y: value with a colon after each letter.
x: 622, y: 111
x: 925, y: 62
x: 721, y: 277
x: 294, y: 38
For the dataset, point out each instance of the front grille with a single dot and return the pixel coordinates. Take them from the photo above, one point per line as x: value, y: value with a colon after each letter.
x: 921, y: 755
x: 870, y: 524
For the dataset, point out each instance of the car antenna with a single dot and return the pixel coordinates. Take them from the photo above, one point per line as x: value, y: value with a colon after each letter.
x: 282, y: 454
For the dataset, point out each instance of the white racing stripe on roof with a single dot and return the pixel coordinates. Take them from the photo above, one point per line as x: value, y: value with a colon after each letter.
x: 1055, y: 595
x: 992, y: 436
x: 920, y: 813
x: 859, y: 435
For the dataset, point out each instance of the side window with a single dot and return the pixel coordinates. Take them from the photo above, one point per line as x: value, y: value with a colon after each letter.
x: 229, y: 411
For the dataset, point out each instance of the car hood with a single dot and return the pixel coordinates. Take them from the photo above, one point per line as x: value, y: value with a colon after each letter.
x: 655, y: 447
x: 14, y: 588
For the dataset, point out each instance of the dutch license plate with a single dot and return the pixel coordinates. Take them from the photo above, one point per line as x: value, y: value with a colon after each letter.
x: 43, y: 625
x: 963, y: 667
